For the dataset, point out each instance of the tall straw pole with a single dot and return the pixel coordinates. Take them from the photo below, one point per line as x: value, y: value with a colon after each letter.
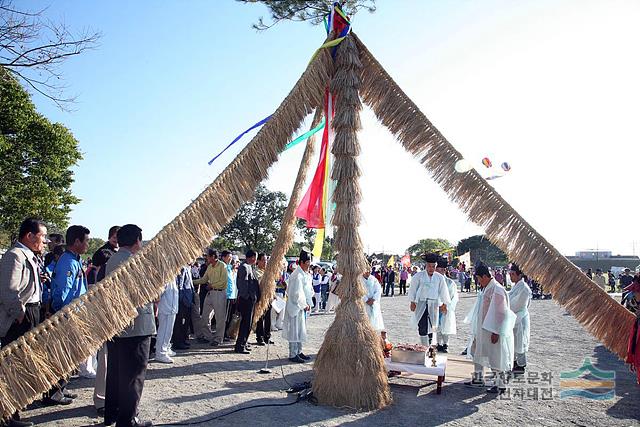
x: 349, y: 370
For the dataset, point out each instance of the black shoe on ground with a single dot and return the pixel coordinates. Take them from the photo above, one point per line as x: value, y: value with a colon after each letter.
x: 137, y: 422
x: 215, y: 343
x: 464, y: 352
x: 19, y: 423
x: 496, y: 390
x: 202, y: 340
x: 296, y: 359
x: 59, y: 401
x: 445, y: 349
x: 438, y: 348
x: 241, y: 351
x: 181, y: 347
x: 261, y: 343
x: 304, y: 357
x: 517, y: 369
x: 69, y: 395
x: 270, y: 342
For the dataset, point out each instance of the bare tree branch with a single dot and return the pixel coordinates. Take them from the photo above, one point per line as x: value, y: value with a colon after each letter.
x: 33, y: 49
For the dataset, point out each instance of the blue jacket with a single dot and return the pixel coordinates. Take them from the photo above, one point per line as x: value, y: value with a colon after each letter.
x: 232, y: 290
x: 68, y: 281
x: 185, y: 287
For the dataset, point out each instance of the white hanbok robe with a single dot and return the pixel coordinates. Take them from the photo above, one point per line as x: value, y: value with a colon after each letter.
x: 448, y: 321
x: 373, y: 290
x: 431, y: 290
x: 294, y: 328
x: 492, y: 314
x: 520, y: 298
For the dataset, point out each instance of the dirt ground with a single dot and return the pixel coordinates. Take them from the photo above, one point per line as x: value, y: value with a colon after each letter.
x: 208, y: 382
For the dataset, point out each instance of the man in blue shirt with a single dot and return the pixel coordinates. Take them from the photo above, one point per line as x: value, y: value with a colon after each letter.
x: 68, y: 281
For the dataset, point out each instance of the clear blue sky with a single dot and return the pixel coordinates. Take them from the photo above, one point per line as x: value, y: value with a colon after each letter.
x: 541, y: 84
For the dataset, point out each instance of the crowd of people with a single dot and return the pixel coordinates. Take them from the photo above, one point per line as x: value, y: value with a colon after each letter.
x: 214, y: 303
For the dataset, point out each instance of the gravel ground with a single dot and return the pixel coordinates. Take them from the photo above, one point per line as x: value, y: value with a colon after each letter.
x: 207, y: 382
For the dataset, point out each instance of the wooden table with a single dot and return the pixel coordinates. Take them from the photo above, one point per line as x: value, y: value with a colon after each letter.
x: 438, y: 371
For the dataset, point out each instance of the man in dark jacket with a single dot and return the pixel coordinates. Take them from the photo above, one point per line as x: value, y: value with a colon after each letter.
x: 248, y: 294
x: 102, y: 255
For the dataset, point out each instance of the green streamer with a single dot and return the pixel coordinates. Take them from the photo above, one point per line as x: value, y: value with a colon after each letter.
x: 305, y: 136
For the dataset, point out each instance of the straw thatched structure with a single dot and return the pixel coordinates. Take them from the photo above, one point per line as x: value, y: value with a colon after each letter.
x: 349, y: 370
x: 33, y: 363
x: 601, y: 315
x: 287, y: 229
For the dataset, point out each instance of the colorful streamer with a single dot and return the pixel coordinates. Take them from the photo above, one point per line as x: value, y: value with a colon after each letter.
x: 305, y: 135
x: 260, y: 123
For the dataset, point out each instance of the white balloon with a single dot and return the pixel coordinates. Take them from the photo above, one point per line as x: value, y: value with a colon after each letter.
x: 463, y: 166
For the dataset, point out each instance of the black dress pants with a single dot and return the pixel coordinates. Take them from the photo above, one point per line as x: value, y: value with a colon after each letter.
x: 181, y: 325
x: 424, y: 325
x: 263, y: 327
x: 126, y: 371
x: 245, y: 308
x: 30, y: 321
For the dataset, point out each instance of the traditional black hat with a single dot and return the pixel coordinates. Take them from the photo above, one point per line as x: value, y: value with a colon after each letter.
x: 430, y: 258
x: 443, y: 262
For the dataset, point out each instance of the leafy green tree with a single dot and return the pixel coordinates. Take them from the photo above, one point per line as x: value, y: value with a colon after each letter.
x: 428, y: 245
x: 36, y: 161
x: 312, y: 11
x: 482, y: 250
x: 257, y: 222
x: 94, y: 245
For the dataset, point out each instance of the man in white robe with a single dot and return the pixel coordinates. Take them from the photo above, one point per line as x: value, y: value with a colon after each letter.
x: 299, y: 300
x: 447, y: 321
x: 520, y: 298
x: 371, y: 298
x: 429, y: 296
x: 492, y: 322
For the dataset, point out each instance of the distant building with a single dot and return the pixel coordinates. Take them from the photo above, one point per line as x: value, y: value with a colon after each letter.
x: 603, y: 260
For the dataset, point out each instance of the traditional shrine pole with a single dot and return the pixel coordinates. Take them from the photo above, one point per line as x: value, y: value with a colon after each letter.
x: 349, y: 370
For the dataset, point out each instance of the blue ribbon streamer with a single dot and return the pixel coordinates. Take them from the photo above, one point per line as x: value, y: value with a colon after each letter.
x: 260, y: 123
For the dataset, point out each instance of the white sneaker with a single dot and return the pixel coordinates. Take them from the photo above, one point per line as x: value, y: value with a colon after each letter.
x: 163, y: 359
x: 171, y: 353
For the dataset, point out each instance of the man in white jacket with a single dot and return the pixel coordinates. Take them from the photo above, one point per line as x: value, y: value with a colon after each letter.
x: 371, y: 298
x: 447, y: 321
x: 429, y: 296
x: 299, y: 301
x: 492, y: 322
x: 520, y: 298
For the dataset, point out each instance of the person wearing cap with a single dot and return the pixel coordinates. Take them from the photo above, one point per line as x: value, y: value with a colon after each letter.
x: 371, y: 298
x: 299, y: 301
x: 519, y: 299
x: 633, y: 349
x: 492, y: 322
x: 428, y: 295
x: 447, y: 321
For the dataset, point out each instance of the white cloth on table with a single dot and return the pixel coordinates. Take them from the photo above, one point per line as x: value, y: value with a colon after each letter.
x: 373, y: 290
x: 519, y: 300
x: 491, y: 314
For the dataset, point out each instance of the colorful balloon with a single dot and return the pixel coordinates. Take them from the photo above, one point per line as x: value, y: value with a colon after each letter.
x: 505, y: 166
x: 486, y: 162
x: 463, y: 166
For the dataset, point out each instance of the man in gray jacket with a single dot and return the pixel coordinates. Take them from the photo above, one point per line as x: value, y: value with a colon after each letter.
x: 128, y: 353
x: 20, y: 292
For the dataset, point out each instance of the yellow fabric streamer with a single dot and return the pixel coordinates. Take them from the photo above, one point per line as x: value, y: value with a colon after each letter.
x: 317, y: 245
x: 330, y: 43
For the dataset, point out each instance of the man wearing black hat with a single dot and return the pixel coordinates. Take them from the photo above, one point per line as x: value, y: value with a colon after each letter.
x: 299, y: 300
x: 429, y: 296
x: 519, y: 299
x: 447, y: 321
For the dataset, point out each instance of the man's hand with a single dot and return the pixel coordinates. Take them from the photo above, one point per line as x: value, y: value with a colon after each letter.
x: 443, y: 309
x: 307, y: 308
x: 370, y: 301
x: 494, y: 338
x: 412, y: 307
x: 210, y: 287
x: 20, y: 319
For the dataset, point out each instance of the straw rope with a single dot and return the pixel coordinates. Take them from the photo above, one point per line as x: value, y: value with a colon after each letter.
x: 36, y: 361
x: 349, y: 370
x: 287, y: 230
x: 600, y: 314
